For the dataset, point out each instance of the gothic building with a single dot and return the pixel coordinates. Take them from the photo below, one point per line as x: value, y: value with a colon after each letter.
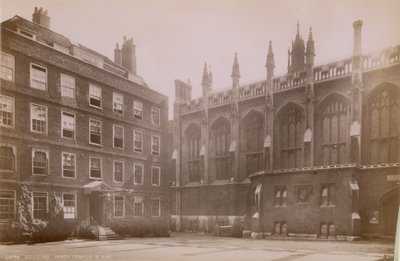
x: 78, y: 128
x: 314, y: 152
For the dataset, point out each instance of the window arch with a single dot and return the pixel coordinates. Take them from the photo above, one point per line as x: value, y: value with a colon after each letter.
x: 383, y: 124
x: 192, y: 144
x: 220, y: 141
x: 252, y: 133
x: 332, y: 131
x: 289, y: 137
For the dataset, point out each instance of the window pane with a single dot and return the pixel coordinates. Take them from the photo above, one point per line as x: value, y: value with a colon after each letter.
x: 6, y: 110
x: 7, y: 204
x: 68, y: 165
x: 40, y: 205
x: 38, y: 118
x: 38, y: 77
x: 7, y: 67
x: 69, y: 206
x: 40, y: 162
x: 67, y: 86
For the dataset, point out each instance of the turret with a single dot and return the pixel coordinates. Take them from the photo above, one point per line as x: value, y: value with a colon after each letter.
x: 235, y: 73
x: 270, y: 64
x: 297, y: 61
x: 310, y: 51
x: 40, y: 17
x: 206, y: 81
x: 357, y: 37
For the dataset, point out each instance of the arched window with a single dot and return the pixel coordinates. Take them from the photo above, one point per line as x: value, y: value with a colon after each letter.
x: 7, y: 158
x: 221, y: 138
x: 252, y: 132
x: 289, y: 133
x: 192, y: 143
x: 384, y: 126
x: 332, y: 131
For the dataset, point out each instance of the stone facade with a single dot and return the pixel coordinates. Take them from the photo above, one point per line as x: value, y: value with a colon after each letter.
x: 312, y: 153
x: 58, y: 149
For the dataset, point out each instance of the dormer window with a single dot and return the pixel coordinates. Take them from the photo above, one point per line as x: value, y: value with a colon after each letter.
x: 26, y: 33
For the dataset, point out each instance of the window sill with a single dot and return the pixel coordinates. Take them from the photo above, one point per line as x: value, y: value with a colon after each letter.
x: 327, y: 206
x: 95, y: 178
x: 68, y: 177
x: 95, y: 144
x: 40, y: 175
x: 96, y: 107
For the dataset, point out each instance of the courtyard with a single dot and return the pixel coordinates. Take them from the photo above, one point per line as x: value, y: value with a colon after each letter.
x: 185, y: 246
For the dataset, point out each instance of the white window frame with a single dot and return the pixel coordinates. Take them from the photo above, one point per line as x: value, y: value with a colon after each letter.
x: 33, y: 203
x: 134, y: 173
x: 65, y: 76
x: 123, y: 171
x: 47, y: 121
x: 134, y: 139
x: 135, y: 201
x: 13, y: 66
x: 159, y: 116
x: 62, y: 164
x: 134, y: 109
x: 123, y: 206
x: 115, y: 94
x: 90, y: 168
x: 75, y: 206
x: 13, y: 112
x: 15, y: 203
x: 153, y: 152
x: 62, y: 128
x: 123, y: 136
x: 159, y: 206
x: 47, y: 157
x: 100, y: 98
x: 101, y: 132
x: 158, y: 184
x: 32, y: 80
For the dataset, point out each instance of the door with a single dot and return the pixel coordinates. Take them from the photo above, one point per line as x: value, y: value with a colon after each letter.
x: 389, y: 209
x: 96, y: 208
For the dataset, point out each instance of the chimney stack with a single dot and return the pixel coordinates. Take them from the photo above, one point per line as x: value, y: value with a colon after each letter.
x: 128, y: 55
x: 41, y: 18
x: 118, y: 55
x: 357, y: 37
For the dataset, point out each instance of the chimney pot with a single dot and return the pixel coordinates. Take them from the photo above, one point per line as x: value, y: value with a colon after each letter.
x: 41, y: 18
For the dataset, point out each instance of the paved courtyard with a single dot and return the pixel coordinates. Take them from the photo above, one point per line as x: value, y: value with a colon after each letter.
x: 183, y: 246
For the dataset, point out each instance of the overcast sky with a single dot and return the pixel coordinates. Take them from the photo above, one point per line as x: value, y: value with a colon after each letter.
x: 175, y: 37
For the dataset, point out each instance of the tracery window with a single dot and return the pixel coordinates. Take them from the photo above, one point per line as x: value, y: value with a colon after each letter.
x: 221, y: 140
x: 384, y: 125
x: 193, y: 135
x: 290, y: 137
x: 253, y: 140
x: 333, y: 132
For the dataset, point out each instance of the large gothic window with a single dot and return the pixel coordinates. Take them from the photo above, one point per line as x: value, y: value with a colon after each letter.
x: 192, y: 138
x: 289, y: 133
x: 221, y: 138
x: 384, y: 126
x: 332, y: 131
x: 253, y: 139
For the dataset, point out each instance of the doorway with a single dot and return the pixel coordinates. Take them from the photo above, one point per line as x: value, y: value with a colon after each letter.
x: 389, y: 208
x: 96, y: 208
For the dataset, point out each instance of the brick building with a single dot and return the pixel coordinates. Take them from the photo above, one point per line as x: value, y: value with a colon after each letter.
x: 78, y: 127
x: 313, y: 152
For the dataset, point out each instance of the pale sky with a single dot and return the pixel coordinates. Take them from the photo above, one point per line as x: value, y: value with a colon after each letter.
x: 175, y: 37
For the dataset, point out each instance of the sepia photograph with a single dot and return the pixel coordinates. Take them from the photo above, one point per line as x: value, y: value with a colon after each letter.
x: 200, y: 130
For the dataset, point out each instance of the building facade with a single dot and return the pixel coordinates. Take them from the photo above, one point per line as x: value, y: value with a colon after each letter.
x: 78, y: 128
x: 314, y: 152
